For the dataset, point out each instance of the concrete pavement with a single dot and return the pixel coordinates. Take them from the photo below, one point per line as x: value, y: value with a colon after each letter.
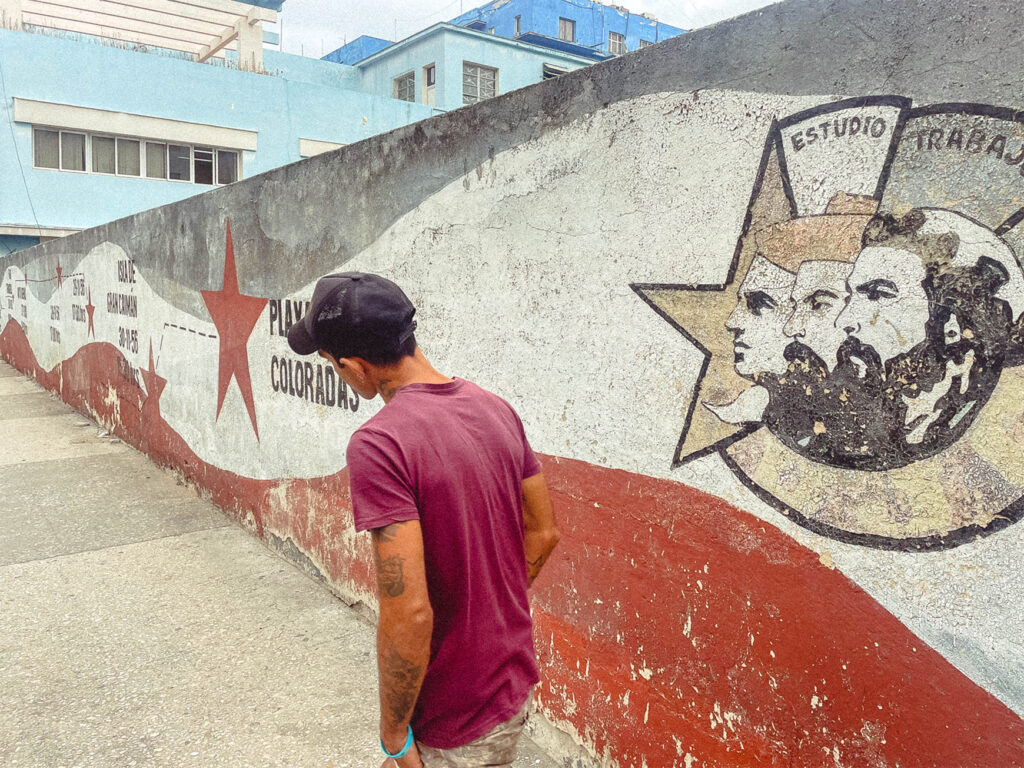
x: 140, y: 627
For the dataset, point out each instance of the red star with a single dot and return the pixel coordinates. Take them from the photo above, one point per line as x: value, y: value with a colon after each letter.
x: 154, y: 385
x: 89, y: 308
x: 235, y: 315
x: 59, y: 271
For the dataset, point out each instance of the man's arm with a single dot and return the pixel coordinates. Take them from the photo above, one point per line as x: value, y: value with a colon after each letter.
x: 539, y: 520
x: 403, y: 631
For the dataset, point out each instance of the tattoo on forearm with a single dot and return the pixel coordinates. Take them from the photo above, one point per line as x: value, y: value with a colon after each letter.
x: 400, y: 683
x: 387, y: 533
x: 391, y: 575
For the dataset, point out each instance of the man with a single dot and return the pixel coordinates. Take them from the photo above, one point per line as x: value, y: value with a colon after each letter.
x: 929, y: 320
x: 461, y: 523
x: 762, y: 308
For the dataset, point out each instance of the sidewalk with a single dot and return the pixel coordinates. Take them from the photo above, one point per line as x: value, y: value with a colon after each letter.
x: 141, y: 628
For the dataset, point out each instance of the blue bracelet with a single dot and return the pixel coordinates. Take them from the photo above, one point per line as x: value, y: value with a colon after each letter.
x: 403, y: 751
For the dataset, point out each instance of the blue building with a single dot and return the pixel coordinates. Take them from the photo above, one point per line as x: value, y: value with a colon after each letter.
x: 498, y: 47
x: 447, y: 67
x: 573, y: 26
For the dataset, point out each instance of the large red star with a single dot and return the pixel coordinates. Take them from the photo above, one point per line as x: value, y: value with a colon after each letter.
x: 90, y: 309
x: 154, y: 386
x: 235, y: 315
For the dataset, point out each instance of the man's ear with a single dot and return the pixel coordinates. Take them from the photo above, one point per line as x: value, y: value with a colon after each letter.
x: 355, y: 365
x: 340, y: 363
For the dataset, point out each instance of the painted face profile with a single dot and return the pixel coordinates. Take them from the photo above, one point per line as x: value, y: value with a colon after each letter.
x: 818, y: 297
x: 762, y: 308
x: 887, y: 309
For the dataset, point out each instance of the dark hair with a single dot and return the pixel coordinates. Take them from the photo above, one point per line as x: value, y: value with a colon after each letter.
x: 380, y: 353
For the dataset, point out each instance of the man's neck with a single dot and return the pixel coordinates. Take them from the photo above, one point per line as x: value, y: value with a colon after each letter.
x: 415, y: 369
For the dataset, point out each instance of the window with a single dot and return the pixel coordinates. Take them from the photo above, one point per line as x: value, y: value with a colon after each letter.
x: 227, y: 167
x: 128, y: 161
x: 45, y: 148
x: 518, y: 26
x: 72, y: 151
x: 202, y: 163
x: 429, y: 81
x: 179, y: 162
x: 156, y: 160
x: 104, y: 154
x: 616, y: 43
x: 128, y: 156
x: 478, y: 83
x: 645, y: 43
x: 567, y: 30
x: 550, y: 70
x: 405, y: 87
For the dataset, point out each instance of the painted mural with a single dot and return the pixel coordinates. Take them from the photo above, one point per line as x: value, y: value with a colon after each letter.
x: 862, y: 359
x: 842, y: 357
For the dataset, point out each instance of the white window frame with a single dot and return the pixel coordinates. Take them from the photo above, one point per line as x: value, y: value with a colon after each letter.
x: 143, y: 159
x: 480, y: 68
x: 117, y: 154
x: 409, y: 77
x: 85, y: 152
x: 616, y: 43
x: 429, y: 88
x: 60, y: 149
x: 191, y: 161
x: 646, y: 43
x: 566, y: 24
x: 145, y: 164
x: 88, y: 152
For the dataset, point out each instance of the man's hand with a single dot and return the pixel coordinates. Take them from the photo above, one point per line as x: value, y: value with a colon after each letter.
x: 403, y: 632
x: 539, y: 521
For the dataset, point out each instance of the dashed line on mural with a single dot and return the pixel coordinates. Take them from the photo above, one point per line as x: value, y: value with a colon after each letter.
x: 190, y: 330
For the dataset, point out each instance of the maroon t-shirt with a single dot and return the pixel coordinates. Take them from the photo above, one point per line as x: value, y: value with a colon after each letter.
x: 454, y: 456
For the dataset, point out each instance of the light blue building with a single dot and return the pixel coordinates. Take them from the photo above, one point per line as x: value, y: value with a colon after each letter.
x: 99, y: 129
x: 186, y: 98
x: 447, y: 67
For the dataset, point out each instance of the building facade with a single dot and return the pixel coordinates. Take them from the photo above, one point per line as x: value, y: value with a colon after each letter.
x: 99, y: 128
x: 110, y: 117
x: 446, y: 67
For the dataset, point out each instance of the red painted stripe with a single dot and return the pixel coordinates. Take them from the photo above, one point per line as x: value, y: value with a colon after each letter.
x: 626, y: 607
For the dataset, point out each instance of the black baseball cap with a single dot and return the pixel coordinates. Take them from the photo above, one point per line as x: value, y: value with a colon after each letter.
x: 353, y: 314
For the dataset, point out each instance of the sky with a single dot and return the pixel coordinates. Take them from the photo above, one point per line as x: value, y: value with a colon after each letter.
x: 316, y: 27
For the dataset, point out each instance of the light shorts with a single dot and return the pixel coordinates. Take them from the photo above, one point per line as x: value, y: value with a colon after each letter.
x: 496, y: 749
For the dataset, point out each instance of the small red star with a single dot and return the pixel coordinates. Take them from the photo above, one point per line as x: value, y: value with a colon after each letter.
x: 154, y: 385
x: 59, y: 271
x: 235, y: 316
x: 90, y: 309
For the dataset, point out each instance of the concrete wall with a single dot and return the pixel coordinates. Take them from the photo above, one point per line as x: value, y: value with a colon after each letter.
x: 784, y: 543
x: 301, y: 98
